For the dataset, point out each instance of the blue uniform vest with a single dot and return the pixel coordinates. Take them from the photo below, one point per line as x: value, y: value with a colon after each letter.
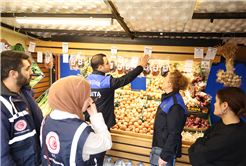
x: 65, y: 140
x: 98, y: 81
x: 23, y: 138
x: 168, y: 103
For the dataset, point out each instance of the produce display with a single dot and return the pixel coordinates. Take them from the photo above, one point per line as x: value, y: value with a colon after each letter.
x: 42, y: 102
x: 191, y: 136
x: 37, y: 73
x: 135, y: 110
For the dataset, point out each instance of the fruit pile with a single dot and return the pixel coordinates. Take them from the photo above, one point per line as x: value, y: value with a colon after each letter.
x: 196, y: 122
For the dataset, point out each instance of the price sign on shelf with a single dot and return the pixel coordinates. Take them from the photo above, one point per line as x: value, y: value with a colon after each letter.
x: 40, y: 57
x: 188, y: 65
x: 31, y: 47
x: 113, y: 52
x: 198, y: 53
x: 211, y: 53
x: 64, y: 47
x: 2, y: 46
x: 205, y: 64
x: 148, y: 51
x: 65, y: 58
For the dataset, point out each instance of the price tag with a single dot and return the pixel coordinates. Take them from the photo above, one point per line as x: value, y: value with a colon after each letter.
x: 188, y: 65
x: 205, y: 64
x: 40, y: 57
x: 64, y: 47
x: 134, y: 62
x: 198, y: 53
x: 113, y: 52
x: 211, y: 53
x: 65, y: 58
x: 148, y: 51
x: 31, y: 47
x: 2, y: 46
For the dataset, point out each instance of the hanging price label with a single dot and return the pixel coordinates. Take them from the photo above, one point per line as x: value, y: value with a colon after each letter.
x: 148, y: 51
x: 211, y: 53
x: 40, y: 57
x: 65, y: 58
x: 2, y: 46
x: 64, y: 47
x: 113, y: 52
x: 205, y: 64
x: 198, y: 53
x: 31, y: 47
x: 188, y: 65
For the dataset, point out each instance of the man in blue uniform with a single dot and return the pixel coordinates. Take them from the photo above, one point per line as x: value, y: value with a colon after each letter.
x: 104, y: 86
x: 20, y: 116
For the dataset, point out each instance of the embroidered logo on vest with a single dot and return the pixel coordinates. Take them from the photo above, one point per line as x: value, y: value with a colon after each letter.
x: 20, y: 125
x: 53, y: 143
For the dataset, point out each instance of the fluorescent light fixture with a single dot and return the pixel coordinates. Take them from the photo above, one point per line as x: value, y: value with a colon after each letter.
x: 64, y: 20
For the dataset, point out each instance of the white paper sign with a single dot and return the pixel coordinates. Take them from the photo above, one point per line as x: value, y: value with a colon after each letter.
x: 188, y: 65
x: 65, y: 58
x: 205, y: 64
x: 113, y: 52
x: 198, y: 52
x: 31, y: 47
x: 40, y: 57
x: 134, y: 62
x: 64, y: 47
x: 2, y: 46
x: 148, y: 51
x: 211, y: 53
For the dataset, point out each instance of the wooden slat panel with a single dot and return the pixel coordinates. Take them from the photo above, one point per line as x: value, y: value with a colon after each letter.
x: 42, y: 89
x: 45, y: 79
x: 129, y: 148
x: 47, y: 74
x: 36, y: 95
x: 136, y: 159
x: 129, y: 47
x: 132, y: 140
x: 179, y: 57
x: 129, y: 156
x: 42, y: 84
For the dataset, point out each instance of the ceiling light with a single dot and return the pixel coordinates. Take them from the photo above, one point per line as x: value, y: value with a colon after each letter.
x: 63, y: 20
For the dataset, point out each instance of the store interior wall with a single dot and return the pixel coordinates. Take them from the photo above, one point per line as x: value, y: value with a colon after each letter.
x: 13, y: 37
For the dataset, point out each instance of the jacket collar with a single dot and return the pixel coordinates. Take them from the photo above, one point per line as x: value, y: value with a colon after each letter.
x: 6, y: 92
x: 167, y: 95
x: 60, y: 115
x: 98, y: 72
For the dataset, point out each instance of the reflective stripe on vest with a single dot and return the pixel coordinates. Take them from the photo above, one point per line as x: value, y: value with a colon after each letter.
x: 7, y: 104
x: 22, y: 137
x: 75, y: 141
x: 16, y: 116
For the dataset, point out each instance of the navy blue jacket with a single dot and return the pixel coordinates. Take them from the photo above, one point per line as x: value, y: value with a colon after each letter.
x: 20, y: 131
x: 65, y: 148
x: 169, y: 122
x: 104, y: 86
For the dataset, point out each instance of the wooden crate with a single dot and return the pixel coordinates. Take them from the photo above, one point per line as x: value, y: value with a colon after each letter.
x: 136, y: 147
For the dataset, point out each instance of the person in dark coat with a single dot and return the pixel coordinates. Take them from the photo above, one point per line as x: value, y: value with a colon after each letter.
x: 104, y: 86
x: 170, y: 119
x: 20, y: 115
x: 224, y: 143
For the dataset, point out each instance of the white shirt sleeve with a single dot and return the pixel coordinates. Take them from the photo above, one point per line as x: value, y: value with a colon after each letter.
x: 99, y: 141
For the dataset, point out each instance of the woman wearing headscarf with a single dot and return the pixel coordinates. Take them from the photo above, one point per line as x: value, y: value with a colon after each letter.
x: 169, y: 121
x: 66, y: 138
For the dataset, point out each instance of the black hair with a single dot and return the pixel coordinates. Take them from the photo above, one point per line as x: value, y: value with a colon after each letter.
x: 97, y: 60
x: 12, y: 60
